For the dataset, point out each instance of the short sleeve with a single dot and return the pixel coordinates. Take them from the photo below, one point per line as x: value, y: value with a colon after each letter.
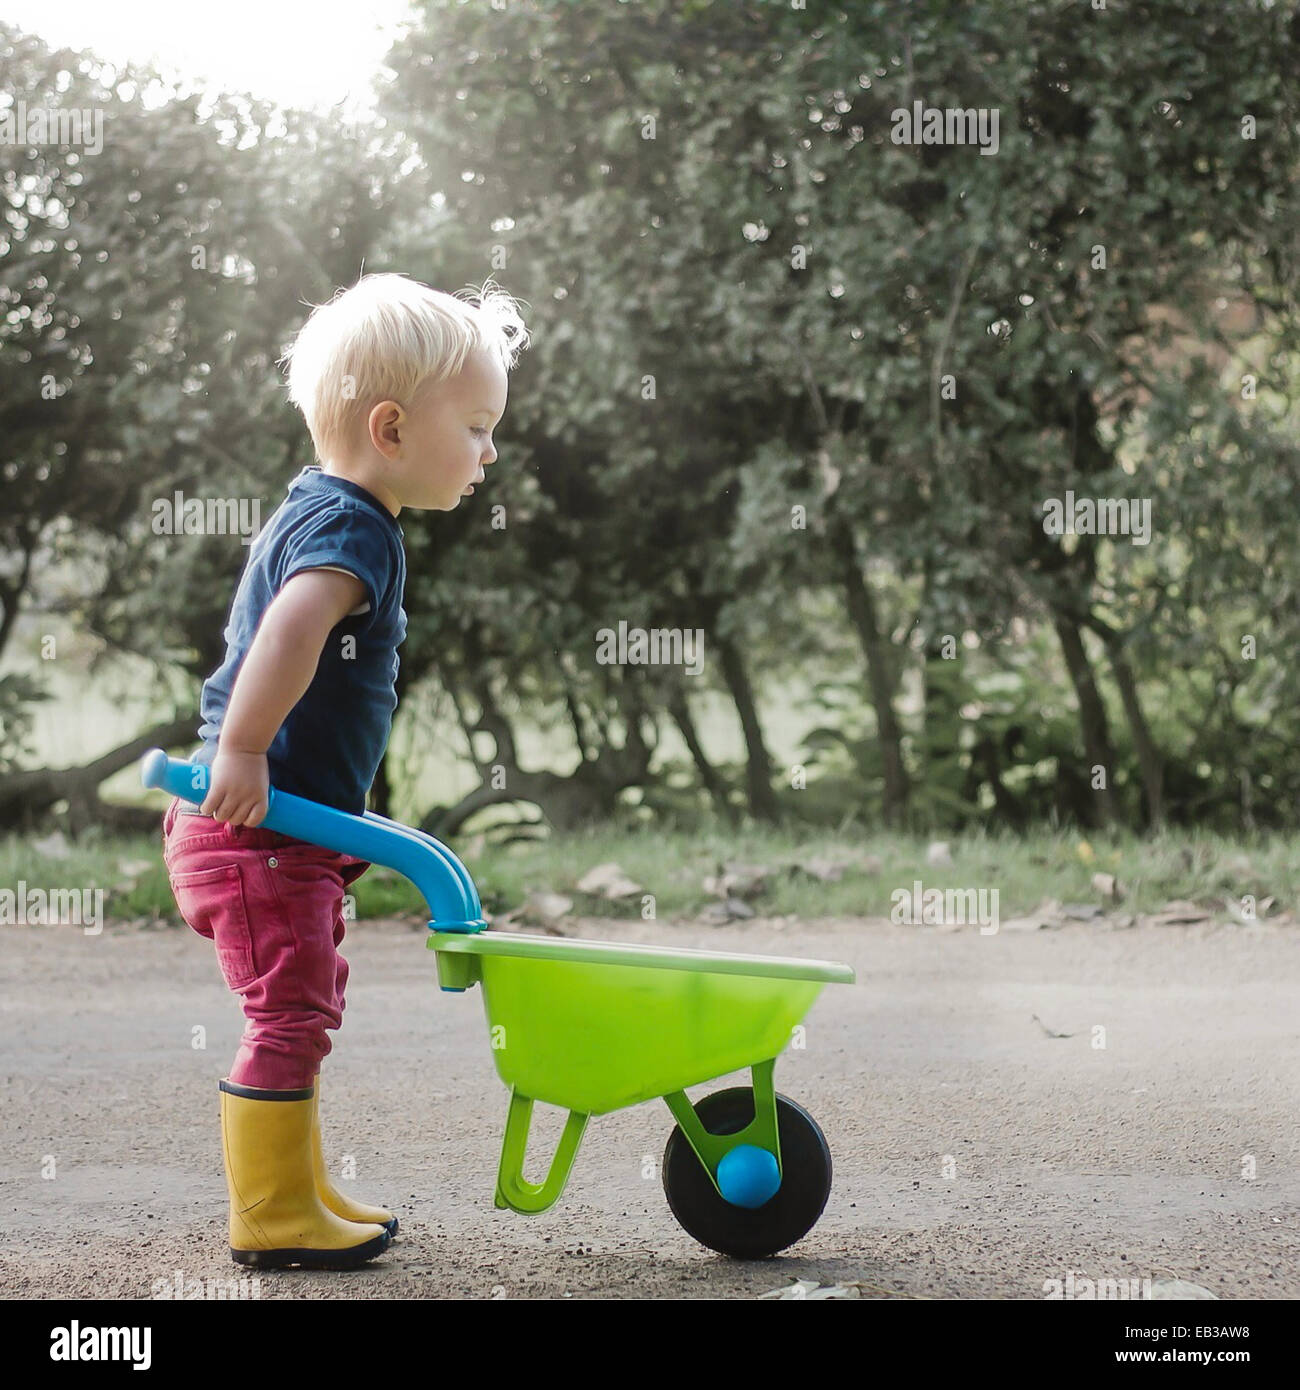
x: 344, y: 538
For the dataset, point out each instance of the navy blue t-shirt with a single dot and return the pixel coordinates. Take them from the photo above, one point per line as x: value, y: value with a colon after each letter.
x: 332, y: 741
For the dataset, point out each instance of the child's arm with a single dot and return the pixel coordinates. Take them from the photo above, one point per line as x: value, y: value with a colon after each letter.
x: 274, y: 675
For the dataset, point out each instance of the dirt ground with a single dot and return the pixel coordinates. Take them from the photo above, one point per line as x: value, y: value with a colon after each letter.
x: 1171, y: 1151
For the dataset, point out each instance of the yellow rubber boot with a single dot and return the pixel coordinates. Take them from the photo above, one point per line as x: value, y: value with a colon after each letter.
x: 276, y: 1216
x: 338, y: 1202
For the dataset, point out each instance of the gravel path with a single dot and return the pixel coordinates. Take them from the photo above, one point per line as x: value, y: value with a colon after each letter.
x: 1125, y: 1161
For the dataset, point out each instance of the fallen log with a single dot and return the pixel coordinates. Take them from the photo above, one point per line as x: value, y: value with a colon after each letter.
x: 27, y: 798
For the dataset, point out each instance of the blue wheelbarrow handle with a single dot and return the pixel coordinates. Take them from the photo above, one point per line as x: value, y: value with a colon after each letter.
x: 438, y: 874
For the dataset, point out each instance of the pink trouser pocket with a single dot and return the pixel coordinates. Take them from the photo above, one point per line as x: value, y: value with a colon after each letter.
x: 212, y: 901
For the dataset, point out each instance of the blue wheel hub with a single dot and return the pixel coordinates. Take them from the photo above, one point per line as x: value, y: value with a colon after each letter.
x: 748, y: 1176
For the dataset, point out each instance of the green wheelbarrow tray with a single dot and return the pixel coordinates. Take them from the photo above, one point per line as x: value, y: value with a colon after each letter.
x: 593, y: 1026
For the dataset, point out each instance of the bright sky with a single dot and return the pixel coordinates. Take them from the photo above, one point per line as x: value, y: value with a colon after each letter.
x: 295, y: 52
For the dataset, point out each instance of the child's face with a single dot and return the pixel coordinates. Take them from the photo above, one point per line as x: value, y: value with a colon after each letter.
x: 447, y: 438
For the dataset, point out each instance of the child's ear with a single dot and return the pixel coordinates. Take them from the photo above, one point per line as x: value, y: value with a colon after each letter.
x: 386, y: 423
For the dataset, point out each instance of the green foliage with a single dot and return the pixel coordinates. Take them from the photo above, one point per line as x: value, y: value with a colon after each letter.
x: 18, y: 695
x: 744, y: 297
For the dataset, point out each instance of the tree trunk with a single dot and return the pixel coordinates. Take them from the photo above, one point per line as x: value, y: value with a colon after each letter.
x: 1092, y: 716
x: 1149, y: 760
x: 587, y: 796
x: 381, y: 792
x: 11, y: 595
x: 986, y: 766
x: 938, y: 745
x: 880, y: 677
x: 763, y: 804
x: 680, y: 710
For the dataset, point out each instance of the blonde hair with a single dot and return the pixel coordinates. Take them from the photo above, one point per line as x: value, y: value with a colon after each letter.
x: 385, y: 337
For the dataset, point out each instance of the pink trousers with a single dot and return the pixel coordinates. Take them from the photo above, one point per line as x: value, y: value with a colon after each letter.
x: 273, y: 908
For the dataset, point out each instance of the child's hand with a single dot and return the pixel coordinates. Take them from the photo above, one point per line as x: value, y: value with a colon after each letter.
x: 238, y: 787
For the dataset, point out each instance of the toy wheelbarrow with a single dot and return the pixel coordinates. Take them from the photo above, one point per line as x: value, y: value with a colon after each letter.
x: 593, y: 1026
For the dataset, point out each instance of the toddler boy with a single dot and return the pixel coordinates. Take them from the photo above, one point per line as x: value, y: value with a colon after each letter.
x: 401, y: 387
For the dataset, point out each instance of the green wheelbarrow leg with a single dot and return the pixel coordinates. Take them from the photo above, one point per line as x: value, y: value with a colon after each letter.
x: 711, y: 1149
x: 512, y: 1190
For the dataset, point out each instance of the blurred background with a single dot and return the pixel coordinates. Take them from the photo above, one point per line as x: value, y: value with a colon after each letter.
x: 801, y: 388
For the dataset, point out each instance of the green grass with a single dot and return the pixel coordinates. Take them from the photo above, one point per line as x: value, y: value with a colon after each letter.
x: 671, y: 866
x: 1199, y: 868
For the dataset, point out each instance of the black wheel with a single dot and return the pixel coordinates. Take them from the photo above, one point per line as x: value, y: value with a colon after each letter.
x: 749, y: 1233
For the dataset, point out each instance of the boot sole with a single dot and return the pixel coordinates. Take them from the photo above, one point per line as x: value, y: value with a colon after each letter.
x: 313, y: 1259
